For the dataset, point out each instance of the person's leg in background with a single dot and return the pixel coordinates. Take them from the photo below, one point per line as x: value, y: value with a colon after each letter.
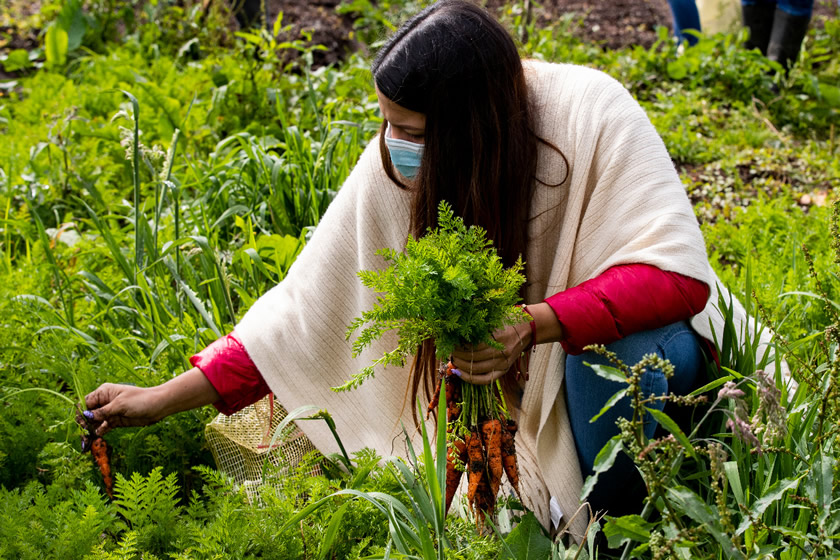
x: 686, y: 17
x: 777, y: 28
x: 758, y: 18
x: 620, y: 490
x: 790, y: 24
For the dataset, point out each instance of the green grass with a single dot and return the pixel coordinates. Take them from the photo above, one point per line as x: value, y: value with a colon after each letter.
x: 237, y: 157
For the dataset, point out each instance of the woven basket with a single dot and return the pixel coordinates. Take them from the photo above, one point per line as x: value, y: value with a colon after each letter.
x: 242, y: 445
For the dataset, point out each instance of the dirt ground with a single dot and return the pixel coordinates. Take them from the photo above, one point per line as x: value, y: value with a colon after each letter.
x: 613, y: 23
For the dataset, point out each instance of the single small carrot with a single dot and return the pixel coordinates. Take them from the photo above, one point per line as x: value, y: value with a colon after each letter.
x: 509, y: 455
x: 433, y: 404
x: 99, y: 450
x: 476, y: 465
x: 484, y: 502
x: 457, y: 453
x: 452, y: 412
x: 491, y: 435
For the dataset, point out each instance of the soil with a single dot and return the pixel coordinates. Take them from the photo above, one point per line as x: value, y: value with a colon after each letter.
x: 613, y: 24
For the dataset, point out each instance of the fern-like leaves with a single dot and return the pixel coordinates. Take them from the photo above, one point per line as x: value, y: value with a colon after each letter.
x: 450, y: 286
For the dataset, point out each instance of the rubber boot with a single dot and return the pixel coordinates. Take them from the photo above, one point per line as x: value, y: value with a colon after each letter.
x: 786, y: 38
x: 759, y: 20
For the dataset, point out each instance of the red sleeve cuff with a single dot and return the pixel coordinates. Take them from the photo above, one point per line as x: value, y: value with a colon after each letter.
x: 232, y: 373
x: 625, y: 299
x: 584, y: 318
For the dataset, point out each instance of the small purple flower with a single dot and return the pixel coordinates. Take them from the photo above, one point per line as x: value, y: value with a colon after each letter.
x: 730, y: 391
x: 743, y: 431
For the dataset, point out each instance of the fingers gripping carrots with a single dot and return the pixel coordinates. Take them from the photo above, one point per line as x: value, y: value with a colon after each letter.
x: 481, y: 443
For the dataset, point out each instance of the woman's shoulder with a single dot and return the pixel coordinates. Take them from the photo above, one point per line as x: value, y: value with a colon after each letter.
x: 565, y: 77
x: 562, y: 92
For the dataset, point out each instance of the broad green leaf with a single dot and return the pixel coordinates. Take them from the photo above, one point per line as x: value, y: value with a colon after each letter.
x: 603, y: 461
x: 332, y: 531
x: 608, y: 372
x: 619, y: 530
x: 666, y: 422
x: 55, y: 46
x: 677, y: 69
x: 702, y: 513
x: 527, y: 541
x: 734, y: 478
x: 773, y: 494
x: 16, y: 60
x: 830, y: 93
x: 609, y: 404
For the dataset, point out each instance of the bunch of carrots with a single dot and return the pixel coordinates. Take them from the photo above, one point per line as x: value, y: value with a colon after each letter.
x: 480, y: 436
x: 98, y: 448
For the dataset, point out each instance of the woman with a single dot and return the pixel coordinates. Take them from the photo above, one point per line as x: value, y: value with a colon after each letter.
x: 559, y: 164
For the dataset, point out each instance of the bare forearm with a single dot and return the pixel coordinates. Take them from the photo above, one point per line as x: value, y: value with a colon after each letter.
x: 189, y: 390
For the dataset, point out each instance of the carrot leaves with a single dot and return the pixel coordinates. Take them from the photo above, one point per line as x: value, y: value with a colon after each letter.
x: 449, y: 285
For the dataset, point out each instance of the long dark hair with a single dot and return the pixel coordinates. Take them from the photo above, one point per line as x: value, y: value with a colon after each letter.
x: 458, y: 66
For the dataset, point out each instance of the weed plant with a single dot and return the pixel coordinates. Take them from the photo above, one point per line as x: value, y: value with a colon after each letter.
x: 133, y: 234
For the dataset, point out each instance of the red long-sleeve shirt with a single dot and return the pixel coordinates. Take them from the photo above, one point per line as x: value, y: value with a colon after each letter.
x: 623, y: 300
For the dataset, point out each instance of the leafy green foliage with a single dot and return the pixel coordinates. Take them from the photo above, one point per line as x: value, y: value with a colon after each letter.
x: 527, y: 541
x: 450, y: 286
x: 225, y: 204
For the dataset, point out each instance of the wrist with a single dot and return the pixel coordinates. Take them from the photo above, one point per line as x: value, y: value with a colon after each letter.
x: 546, y: 327
x: 531, y: 331
x: 161, y: 401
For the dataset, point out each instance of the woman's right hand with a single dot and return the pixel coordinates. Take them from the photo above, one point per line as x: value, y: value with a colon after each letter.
x: 118, y: 406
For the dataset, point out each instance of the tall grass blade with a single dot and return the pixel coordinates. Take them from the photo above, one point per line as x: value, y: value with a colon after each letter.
x: 135, y: 177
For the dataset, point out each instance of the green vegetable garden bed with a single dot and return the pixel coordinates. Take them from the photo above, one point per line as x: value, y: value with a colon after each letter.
x: 155, y: 181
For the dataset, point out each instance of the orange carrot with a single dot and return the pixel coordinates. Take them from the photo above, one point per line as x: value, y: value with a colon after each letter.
x: 509, y: 455
x: 457, y: 452
x: 433, y: 404
x: 453, y: 396
x: 476, y: 465
x: 484, y: 501
x: 99, y: 450
x: 491, y: 432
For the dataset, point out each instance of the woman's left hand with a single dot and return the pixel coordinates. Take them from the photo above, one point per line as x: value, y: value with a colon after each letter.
x: 482, y: 364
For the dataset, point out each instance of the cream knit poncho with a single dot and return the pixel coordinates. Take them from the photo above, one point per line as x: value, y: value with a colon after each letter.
x: 621, y: 203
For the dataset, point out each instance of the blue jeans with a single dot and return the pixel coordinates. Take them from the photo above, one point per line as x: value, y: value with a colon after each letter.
x: 793, y: 7
x: 587, y: 392
x: 686, y: 16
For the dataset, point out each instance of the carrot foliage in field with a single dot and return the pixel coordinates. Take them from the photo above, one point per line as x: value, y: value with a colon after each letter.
x: 450, y: 285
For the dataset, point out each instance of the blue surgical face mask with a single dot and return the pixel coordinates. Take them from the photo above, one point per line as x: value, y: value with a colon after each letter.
x: 406, y: 156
